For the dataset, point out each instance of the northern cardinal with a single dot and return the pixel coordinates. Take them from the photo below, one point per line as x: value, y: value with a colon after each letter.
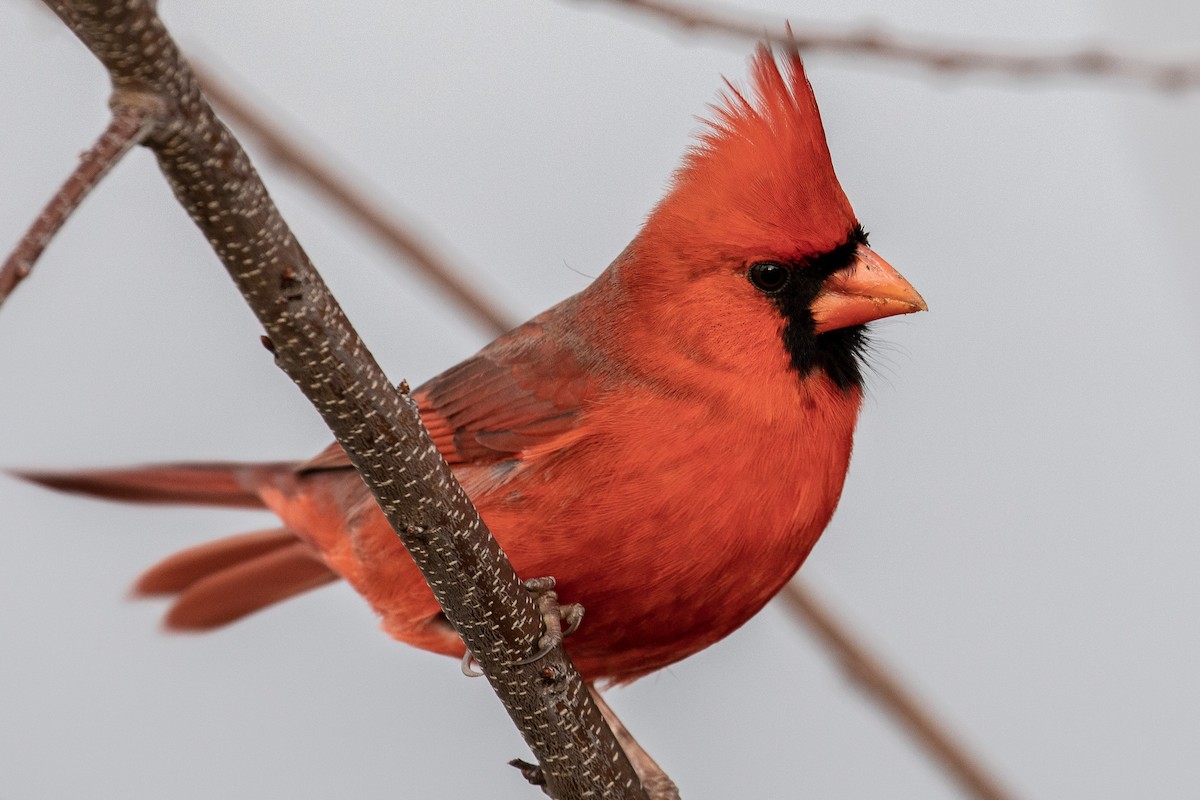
x: 668, y: 443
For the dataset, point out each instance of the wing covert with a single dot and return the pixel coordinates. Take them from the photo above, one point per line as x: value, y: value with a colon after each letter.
x: 522, y: 390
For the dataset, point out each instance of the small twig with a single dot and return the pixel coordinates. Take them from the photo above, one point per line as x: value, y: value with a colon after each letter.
x: 942, y: 57
x: 654, y: 779
x: 133, y: 118
x: 871, y: 676
x: 401, y: 239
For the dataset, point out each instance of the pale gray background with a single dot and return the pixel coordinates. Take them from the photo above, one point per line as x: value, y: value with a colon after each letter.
x: 1018, y: 533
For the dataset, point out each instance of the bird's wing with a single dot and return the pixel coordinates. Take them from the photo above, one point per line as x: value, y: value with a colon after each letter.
x: 522, y: 390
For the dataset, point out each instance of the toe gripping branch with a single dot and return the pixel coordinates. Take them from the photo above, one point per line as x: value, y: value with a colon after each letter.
x: 558, y: 622
x: 554, y: 617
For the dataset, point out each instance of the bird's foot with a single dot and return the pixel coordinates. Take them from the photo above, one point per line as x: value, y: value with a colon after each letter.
x: 470, y: 666
x: 558, y: 620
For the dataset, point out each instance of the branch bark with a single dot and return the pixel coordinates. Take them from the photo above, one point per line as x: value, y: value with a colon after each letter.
x: 377, y: 424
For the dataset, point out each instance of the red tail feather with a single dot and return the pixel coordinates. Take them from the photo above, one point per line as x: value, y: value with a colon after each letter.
x: 177, y: 572
x: 220, y: 484
x: 217, y: 582
x: 239, y: 590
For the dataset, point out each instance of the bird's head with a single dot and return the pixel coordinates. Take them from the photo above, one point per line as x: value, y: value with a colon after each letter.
x: 755, y: 253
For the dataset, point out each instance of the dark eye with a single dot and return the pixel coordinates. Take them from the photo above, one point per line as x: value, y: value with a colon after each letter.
x: 769, y: 277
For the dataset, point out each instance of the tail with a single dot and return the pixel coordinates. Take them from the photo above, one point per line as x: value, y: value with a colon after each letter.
x: 231, y: 485
x: 218, y: 582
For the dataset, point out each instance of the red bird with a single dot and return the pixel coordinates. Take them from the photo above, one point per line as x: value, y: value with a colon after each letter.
x: 668, y: 443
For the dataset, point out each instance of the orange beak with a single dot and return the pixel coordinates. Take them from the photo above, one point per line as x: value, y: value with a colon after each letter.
x: 868, y: 289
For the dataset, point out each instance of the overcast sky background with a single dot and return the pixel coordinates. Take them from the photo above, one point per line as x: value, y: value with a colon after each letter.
x: 1018, y: 534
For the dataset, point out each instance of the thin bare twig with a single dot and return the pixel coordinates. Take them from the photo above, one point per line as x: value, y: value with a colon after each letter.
x: 831, y: 632
x: 870, y: 675
x: 133, y: 118
x: 377, y: 424
x: 353, y: 202
x: 655, y: 780
x: 874, y: 42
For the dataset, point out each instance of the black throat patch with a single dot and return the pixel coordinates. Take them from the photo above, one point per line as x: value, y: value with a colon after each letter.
x: 838, y: 353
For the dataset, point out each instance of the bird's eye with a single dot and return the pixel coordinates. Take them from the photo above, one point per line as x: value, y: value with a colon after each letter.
x: 769, y: 277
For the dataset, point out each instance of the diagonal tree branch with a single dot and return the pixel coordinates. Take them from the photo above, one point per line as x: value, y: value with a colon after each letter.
x: 873, y: 42
x: 377, y: 424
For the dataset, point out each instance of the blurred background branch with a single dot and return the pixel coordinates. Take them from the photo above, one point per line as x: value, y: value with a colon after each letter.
x: 878, y: 43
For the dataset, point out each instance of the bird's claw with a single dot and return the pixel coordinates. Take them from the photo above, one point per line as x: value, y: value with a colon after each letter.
x: 559, y: 621
x: 468, y: 669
